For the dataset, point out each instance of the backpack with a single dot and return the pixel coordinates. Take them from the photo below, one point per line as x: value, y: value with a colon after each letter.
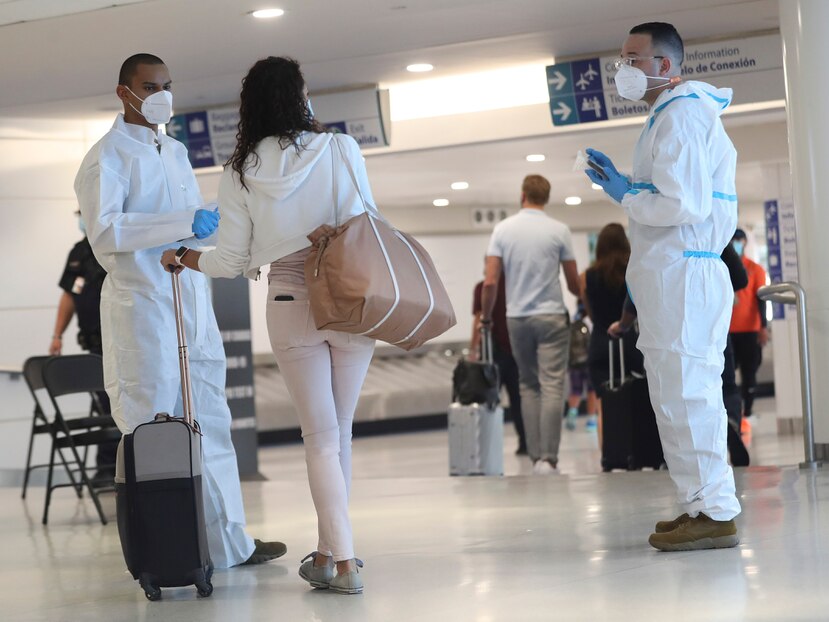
x: 579, y: 343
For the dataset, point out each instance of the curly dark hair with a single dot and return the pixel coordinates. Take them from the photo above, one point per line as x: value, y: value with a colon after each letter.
x: 612, y: 255
x: 273, y: 103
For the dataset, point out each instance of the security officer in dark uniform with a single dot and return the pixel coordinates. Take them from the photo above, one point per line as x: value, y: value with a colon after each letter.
x: 81, y: 283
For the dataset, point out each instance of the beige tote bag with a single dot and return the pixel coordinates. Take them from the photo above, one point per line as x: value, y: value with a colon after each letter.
x: 367, y: 278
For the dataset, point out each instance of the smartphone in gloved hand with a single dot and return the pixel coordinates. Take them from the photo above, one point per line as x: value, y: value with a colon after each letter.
x: 598, y: 169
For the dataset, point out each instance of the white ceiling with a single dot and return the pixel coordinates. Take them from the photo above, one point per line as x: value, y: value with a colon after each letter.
x: 67, y: 66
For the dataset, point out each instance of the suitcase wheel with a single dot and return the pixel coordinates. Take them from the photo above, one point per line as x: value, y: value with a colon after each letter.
x: 152, y: 592
x: 204, y: 589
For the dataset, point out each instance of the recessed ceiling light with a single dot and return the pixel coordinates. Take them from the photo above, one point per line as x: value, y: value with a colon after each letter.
x: 440, y: 202
x: 460, y: 185
x: 595, y: 186
x: 419, y: 67
x: 536, y: 157
x: 573, y: 200
x: 268, y: 13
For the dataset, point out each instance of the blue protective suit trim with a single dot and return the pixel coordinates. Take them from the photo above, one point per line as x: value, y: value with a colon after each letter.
x: 725, y: 197
x: 701, y: 254
x: 721, y: 100
x: 639, y: 187
x: 670, y: 101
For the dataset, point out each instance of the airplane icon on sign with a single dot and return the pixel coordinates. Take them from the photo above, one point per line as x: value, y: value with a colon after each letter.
x: 586, y: 78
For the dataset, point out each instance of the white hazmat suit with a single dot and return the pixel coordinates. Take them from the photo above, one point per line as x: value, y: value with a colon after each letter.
x: 683, y: 211
x: 138, y: 197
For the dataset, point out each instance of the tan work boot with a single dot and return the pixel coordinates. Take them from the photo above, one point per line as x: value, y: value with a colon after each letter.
x: 665, y: 526
x: 696, y: 534
x: 265, y: 552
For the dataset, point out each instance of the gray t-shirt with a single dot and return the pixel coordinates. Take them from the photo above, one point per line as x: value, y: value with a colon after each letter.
x: 532, y: 246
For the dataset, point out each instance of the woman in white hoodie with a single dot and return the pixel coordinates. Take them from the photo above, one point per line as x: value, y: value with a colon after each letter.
x: 287, y: 177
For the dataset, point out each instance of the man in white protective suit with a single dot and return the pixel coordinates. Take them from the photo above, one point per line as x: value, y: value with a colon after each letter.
x: 682, y: 207
x: 138, y: 196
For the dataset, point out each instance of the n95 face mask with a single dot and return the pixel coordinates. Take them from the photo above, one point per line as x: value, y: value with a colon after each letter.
x: 632, y: 83
x: 157, y: 108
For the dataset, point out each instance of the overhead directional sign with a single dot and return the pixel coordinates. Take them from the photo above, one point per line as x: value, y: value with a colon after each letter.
x: 583, y: 91
x: 210, y: 135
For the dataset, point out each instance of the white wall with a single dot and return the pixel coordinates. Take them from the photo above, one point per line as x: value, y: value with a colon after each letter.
x: 37, y: 228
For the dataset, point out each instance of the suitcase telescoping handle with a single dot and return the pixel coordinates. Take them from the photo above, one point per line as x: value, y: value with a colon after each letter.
x: 183, y: 356
x: 487, y: 355
x: 621, y: 360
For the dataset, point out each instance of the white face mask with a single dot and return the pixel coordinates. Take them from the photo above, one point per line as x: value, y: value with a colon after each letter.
x: 632, y: 83
x: 157, y: 108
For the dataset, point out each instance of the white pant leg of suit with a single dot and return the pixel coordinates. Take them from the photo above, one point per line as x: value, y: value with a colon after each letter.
x: 686, y: 392
x: 229, y: 544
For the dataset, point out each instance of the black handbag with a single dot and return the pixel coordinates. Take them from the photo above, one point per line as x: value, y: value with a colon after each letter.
x: 477, y: 382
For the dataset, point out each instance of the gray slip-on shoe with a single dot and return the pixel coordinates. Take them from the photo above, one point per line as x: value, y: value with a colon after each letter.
x: 318, y: 576
x: 348, y: 582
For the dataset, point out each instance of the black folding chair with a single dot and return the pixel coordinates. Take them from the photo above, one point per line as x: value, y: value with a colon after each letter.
x: 72, y: 375
x: 33, y: 373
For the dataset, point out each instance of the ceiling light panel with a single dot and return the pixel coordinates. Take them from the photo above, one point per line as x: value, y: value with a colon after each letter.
x: 267, y: 13
x: 419, y: 67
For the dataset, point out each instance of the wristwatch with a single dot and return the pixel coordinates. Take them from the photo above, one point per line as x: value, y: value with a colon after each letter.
x: 180, y: 253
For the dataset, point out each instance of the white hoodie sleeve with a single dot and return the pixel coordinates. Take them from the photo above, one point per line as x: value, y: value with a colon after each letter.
x: 232, y: 253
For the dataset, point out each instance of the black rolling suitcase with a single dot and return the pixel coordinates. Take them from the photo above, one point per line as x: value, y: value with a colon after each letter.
x: 630, y: 438
x: 160, y: 505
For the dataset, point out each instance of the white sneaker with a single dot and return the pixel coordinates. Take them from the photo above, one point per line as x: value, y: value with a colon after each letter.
x: 542, y: 467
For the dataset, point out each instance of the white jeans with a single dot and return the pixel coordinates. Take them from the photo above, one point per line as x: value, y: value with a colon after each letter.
x: 324, y: 371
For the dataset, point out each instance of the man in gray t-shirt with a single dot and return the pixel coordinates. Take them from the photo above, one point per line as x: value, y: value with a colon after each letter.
x: 530, y: 248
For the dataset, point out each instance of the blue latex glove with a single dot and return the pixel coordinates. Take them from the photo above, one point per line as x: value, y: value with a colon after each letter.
x: 616, y: 185
x: 205, y: 223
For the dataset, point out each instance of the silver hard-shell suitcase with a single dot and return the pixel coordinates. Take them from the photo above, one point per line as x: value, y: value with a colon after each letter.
x: 476, y: 431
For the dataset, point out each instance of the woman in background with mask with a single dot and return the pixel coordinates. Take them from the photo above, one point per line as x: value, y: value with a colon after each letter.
x: 288, y: 177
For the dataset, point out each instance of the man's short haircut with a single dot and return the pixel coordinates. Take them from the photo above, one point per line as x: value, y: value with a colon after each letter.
x: 536, y: 189
x: 130, y: 66
x: 665, y: 38
x: 739, y: 234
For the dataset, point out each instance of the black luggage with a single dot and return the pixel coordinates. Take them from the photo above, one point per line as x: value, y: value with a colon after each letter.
x: 630, y: 438
x: 477, y: 382
x: 160, y: 505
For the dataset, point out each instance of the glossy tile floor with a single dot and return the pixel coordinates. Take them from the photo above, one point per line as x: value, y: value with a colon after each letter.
x: 519, y: 548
